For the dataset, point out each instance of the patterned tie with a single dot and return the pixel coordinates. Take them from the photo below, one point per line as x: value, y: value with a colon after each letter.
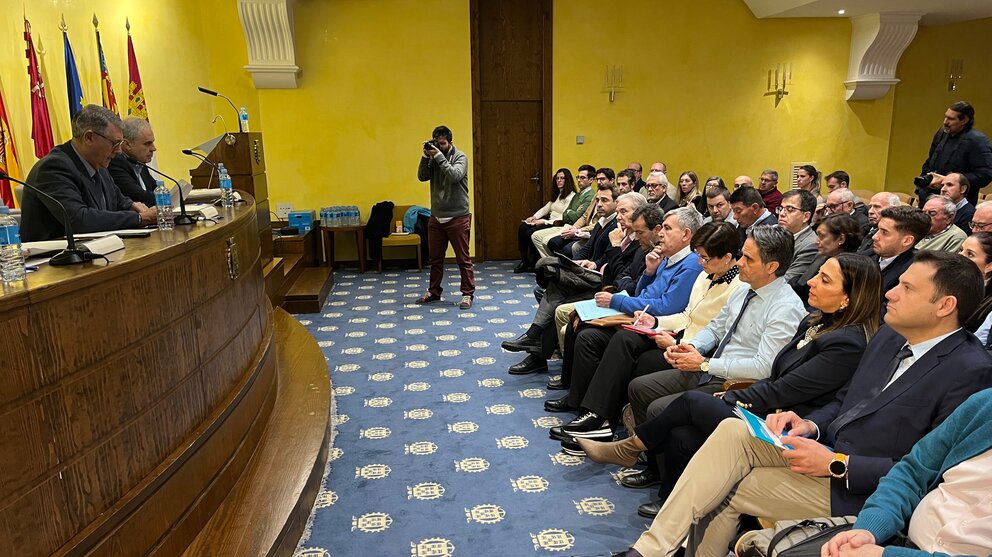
x: 704, y: 377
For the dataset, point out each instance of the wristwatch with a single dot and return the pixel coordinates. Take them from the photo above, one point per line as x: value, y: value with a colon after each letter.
x: 705, y: 365
x: 838, y: 466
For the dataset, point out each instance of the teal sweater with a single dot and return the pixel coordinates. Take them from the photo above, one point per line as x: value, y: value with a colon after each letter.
x: 966, y: 433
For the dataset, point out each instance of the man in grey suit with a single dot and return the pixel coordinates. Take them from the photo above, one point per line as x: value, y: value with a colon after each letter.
x: 794, y: 215
x: 75, y: 173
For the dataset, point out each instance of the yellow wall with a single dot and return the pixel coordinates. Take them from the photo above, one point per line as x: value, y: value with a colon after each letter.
x: 693, y: 91
x: 179, y: 45
x: 922, y: 96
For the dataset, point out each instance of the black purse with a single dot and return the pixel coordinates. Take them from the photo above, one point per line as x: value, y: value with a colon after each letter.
x: 792, y: 538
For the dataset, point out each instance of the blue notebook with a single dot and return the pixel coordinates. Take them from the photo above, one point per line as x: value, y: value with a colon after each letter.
x: 588, y: 310
x: 758, y: 428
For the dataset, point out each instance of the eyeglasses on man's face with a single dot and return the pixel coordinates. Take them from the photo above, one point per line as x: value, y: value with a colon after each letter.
x: 787, y: 209
x: 980, y: 226
x: 113, y: 144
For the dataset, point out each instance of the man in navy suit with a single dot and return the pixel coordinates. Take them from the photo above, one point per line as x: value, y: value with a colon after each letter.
x: 899, y: 230
x: 914, y: 373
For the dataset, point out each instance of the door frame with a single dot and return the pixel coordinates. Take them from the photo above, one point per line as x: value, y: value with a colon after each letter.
x: 480, y: 216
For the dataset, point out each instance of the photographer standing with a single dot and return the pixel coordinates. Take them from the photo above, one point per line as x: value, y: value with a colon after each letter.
x: 447, y: 169
x: 957, y: 147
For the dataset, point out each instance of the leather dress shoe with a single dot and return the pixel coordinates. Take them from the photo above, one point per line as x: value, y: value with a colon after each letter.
x: 588, y: 425
x: 530, y: 364
x: 521, y: 344
x: 556, y: 385
x: 650, y: 510
x: 641, y: 480
x: 558, y: 405
x: 557, y: 434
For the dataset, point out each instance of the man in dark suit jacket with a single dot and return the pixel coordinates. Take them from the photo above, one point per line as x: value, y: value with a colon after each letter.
x: 958, y: 147
x: 75, y: 173
x: 956, y: 186
x: 133, y: 179
x: 914, y: 373
x: 899, y: 229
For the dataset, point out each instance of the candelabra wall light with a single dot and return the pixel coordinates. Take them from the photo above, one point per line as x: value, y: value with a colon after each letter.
x: 783, y: 78
x: 955, y: 72
x: 613, y: 81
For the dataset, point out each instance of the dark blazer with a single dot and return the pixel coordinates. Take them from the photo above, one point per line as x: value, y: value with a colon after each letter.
x: 121, y: 169
x: 619, y: 264
x: 862, y: 220
x: 968, y: 153
x: 667, y: 204
x: 62, y: 175
x: 599, y: 241
x: 628, y: 278
x: 891, y: 274
x: 963, y: 216
x: 867, y: 246
x: 875, y: 429
x: 804, y: 379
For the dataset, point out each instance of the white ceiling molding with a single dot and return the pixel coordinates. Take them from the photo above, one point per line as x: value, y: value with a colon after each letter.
x: 268, y: 29
x: 877, y: 43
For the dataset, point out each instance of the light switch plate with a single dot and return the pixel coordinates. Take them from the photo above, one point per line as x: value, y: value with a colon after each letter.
x: 580, y: 139
x: 283, y: 210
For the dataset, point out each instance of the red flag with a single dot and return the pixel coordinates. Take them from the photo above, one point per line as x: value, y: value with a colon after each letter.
x: 41, y: 125
x: 135, y: 93
x: 8, y: 158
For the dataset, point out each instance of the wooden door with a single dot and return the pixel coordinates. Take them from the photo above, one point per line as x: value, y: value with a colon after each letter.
x: 511, y: 105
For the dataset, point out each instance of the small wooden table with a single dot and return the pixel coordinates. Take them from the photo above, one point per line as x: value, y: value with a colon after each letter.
x: 327, y: 238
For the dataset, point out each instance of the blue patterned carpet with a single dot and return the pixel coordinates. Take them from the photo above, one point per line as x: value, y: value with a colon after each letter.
x: 438, y: 451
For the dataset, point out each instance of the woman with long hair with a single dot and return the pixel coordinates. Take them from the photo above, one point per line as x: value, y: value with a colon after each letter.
x: 562, y: 191
x: 688, y: 194
x: 807, y: 373
x: 978, y: 248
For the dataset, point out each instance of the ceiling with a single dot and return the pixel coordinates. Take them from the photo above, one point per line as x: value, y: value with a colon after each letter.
x: 937, y: 12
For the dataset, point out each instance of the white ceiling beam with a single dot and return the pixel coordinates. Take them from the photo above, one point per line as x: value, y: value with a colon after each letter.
x: 877, y: 43
x: 268, y: 29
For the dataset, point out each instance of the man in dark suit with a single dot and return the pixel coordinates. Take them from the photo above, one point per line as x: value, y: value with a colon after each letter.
x: 957, y: 147
x: 133, y: 179
x: 914, y: 373
x: 899, y: 229
x: 956, y: 187
x: 878, y: 203
x: 749, y: 211
x: 656, y: 191
x: 75, y: 173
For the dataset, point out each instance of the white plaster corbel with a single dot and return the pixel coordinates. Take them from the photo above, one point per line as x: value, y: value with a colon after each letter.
x: 268, y: 29
x: 877, y: 43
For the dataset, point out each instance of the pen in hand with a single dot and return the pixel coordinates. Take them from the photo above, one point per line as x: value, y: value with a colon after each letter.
x: 637, y: 322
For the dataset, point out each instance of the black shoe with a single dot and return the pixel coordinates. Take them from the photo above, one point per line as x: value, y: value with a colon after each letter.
x: 588, y: 426
x: 572, y: 447
x: 650, y: 510
x: 523, y: 267
x: 557, y: 434
x: 641, y: 480
x: 558, y: 405
x: 521, y: 344
x: 530, y: 364
x: 556, y: 385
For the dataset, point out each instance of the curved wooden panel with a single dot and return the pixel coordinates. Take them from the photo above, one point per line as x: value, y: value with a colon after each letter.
x: 131, y: 387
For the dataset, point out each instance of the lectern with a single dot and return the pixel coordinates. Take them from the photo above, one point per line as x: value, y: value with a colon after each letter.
x: 244, y: 159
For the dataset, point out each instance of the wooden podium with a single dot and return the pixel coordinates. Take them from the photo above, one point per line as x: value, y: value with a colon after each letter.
x: 245, y: 162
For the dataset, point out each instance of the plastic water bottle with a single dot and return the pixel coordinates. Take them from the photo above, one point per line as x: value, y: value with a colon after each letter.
x: 226, y: 191
x: 163, y: 206
x: 243, y: 119
x: 11, y: 254
x: 355, y: 216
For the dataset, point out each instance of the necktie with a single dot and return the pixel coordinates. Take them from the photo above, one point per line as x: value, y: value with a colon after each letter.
x: 988, y: 342
x: 98, y: 195
x: 848, y: 416
x: 704, y: 377
x: 904, y: 353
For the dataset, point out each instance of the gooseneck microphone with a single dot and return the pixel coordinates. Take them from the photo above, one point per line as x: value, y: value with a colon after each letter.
x: 216, y: 94
x: 71, y: 255
x: 182, y: 218
x: 213, y: 167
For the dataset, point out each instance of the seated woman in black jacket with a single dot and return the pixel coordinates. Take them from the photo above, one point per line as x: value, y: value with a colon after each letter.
x: 978, y: 248
x: 835, y: 234
x: 805, y: 375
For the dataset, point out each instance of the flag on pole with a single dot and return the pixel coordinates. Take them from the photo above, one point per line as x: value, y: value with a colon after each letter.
x: 8, y: 158
x: 71, y: 74
x: 106, y: 88
x: 41, y: 124
x: 135, y: 93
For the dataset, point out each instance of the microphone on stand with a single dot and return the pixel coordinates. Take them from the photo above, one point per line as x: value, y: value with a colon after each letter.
x: 182, y: 218
x: 71, y: 255
x: 216, y: 94
x: 213, y: 167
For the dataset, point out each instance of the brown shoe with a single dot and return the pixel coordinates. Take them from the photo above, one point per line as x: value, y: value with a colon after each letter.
x: 627, y: 417
x: 622, y: 452
x: 428, y: 299
x: 466, y: 302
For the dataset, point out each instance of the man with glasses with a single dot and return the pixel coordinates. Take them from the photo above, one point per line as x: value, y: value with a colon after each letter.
x: 794, y: 215
x: 943, y: 236
x: 637, y: 169
x: 718, y: 206
x: 982, y: 221
x: 571, y: 239
x: 956, y: 186
x: 768, y: 187
x: 656, y: 191
x: 841, y: 202
x: 75, y: 173
x: 578, y: 210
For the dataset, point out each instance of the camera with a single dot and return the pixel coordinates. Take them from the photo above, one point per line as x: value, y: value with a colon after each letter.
x: 923, y: 181
x: 430, y: 144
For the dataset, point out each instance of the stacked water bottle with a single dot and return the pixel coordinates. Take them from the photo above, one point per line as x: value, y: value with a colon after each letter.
x: 11, y: 255
x: 340, y: 215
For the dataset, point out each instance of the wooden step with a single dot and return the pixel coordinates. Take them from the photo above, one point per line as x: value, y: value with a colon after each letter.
x: 267, y: 510
x: 274, y: 275
x: 309, y: 292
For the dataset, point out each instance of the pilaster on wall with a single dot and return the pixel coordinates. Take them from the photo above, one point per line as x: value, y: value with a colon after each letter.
x: 877, y: 43
x: 268, y: 28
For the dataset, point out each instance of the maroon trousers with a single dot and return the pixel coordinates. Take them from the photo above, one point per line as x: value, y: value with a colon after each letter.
x: 456, y: 232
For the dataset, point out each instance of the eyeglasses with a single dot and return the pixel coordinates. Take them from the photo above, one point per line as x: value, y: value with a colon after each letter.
x: 979, y: 225
x: 652, y: 186
x: 833, y: 206
x: 703, y: 260
x: 114, y: 144
x: 787, y: 209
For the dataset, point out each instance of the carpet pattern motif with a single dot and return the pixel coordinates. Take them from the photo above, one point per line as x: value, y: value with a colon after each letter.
x: 437, y: 450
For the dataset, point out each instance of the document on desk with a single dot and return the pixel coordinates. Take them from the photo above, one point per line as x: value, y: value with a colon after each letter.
x: 588, y: 310
x: 126, y: 233
x: 758, y: 428
x: 38, y: 252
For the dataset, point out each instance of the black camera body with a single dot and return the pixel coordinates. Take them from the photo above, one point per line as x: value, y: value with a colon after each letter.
x: 430, y: 144
x: 923, y: 181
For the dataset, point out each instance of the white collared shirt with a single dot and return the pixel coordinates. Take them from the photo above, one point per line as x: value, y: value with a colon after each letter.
x: 679, y: 256
x: 919, y: 350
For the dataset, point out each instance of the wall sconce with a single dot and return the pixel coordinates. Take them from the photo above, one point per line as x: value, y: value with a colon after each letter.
x: 613, y: 81
x: 783, y: 78
x: 954, y: 73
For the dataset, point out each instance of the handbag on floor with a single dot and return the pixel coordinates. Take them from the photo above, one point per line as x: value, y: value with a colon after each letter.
x: 792, y: 538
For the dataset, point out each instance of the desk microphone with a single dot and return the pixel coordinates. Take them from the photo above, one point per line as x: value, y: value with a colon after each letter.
x: 216, y: 94
x: 213, y: 167
x: 182, y: 218
x: 71, y: 255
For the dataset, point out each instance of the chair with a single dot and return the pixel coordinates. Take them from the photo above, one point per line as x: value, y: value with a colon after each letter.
x: 411, y: 240
x: 907, y: 199
x: 864, y: 195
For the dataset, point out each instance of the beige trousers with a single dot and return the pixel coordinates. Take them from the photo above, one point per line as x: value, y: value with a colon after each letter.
x: 541, y: 238
x: 732, y: 474
x: 561, y: 320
